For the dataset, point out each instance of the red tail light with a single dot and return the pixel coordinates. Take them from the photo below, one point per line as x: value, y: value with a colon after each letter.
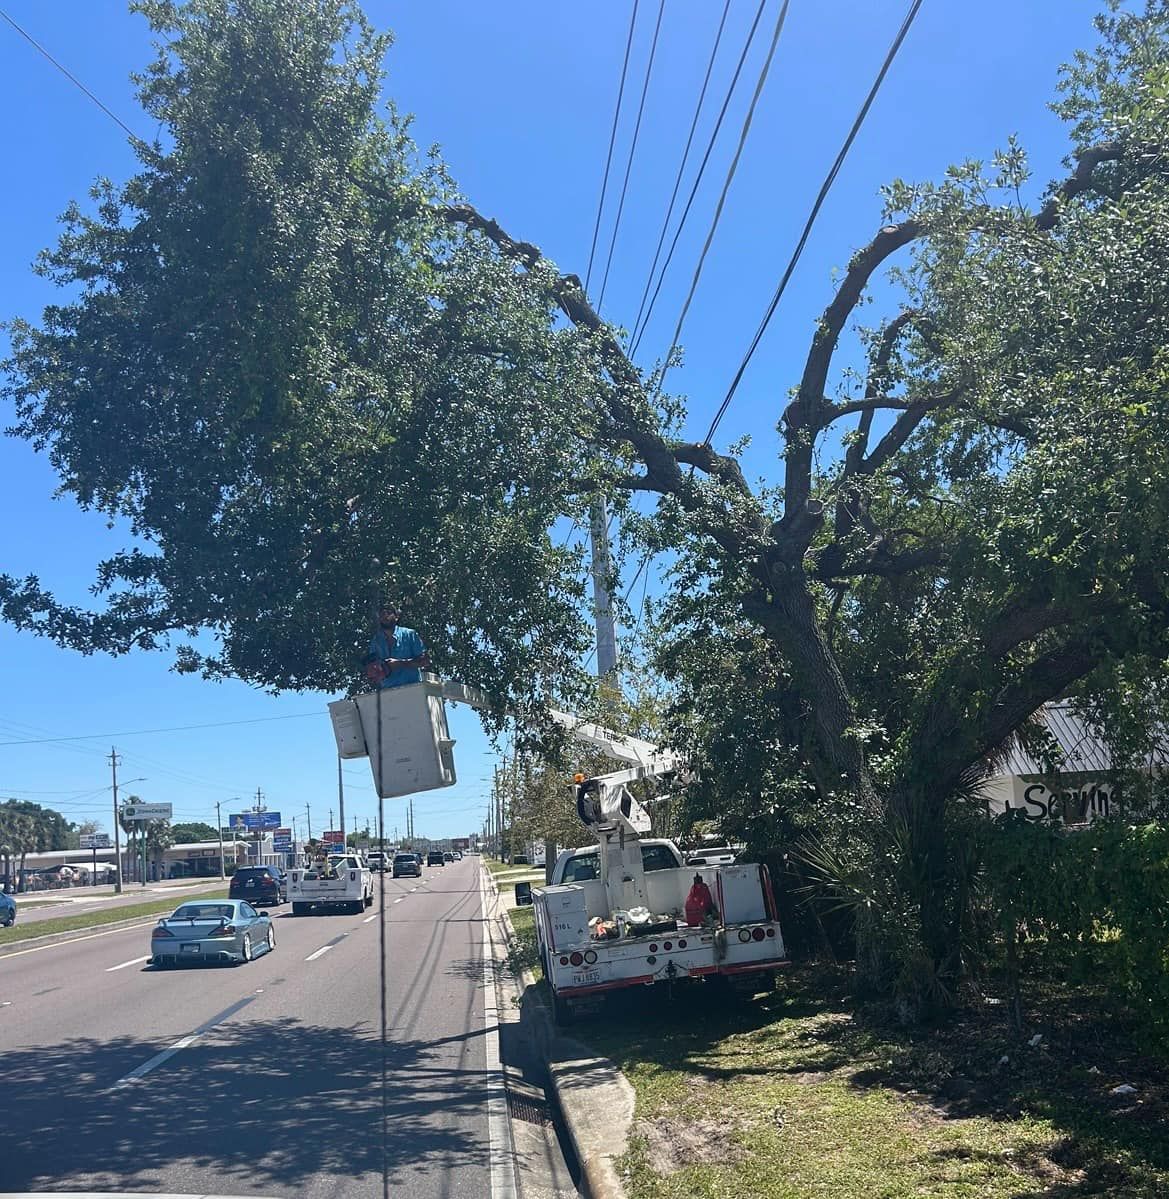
x: 224, y: 930
x: 757, y: 934
x: 577, y: 959
x: 162, y: 932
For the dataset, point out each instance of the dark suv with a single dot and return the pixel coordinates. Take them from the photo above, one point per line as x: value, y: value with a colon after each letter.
x: 434, y: 858
x: 259, y: 885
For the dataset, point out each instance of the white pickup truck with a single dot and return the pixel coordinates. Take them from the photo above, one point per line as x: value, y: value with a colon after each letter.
x: 586, y: 952
x: 341, y: 882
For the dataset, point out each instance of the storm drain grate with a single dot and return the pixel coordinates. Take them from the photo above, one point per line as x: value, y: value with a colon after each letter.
x: 530, y: 1110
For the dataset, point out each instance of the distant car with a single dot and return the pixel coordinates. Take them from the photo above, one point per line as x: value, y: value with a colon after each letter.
x: 448, y: 857
x: 377, y: 860
x: 458, y: 856
x: 7, y: 910
x: 520, y: 859
x: 407, y: 864
x: 217, y: 930
x: 435, y: 858
x: 261, y: 885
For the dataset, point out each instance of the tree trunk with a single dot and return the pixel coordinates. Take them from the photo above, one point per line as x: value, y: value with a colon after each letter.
x: 791, y: 621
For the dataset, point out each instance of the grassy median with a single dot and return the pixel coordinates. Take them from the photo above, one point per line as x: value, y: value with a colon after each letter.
x: 84, y: 920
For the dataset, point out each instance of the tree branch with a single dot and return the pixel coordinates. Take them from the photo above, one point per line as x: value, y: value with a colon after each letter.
x: 1016, y: 626
x: 901, y: 430
x: 702, y: 456
x: 1080, y: 180
x: 662, y: 469
x: 802, y: 418
x: 882, y: 563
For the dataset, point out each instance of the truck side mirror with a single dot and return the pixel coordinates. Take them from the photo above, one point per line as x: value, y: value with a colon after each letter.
x: 523, y: 894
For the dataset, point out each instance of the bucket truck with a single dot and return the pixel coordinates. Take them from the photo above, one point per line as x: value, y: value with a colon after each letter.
x: 607, y: 922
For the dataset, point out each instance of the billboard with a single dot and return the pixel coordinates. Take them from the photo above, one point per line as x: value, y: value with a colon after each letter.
x: 334, y: 836
x: 95, y: 841
x: 255, y: 822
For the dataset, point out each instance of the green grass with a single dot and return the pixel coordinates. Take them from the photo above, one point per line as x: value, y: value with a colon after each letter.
x: 523, y: 954
x: 83, y: 920
x: 804, y: 1094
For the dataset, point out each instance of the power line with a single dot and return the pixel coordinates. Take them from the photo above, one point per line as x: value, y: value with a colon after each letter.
x: 701, y: 171
x: 649, y: 66
x: 134, y: 138
x: 178, y: 728
x: 722, y: 199
x: 825, y: 187
x: 682, y: 166
x: 612, y: 143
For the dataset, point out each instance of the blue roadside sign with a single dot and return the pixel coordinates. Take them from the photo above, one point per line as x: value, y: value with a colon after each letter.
x: 256, y: 821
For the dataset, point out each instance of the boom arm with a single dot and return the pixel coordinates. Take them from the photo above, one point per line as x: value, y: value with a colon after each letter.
x: 647, y: 759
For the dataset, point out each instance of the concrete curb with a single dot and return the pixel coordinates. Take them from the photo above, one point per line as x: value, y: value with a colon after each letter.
x: 598, y: 1127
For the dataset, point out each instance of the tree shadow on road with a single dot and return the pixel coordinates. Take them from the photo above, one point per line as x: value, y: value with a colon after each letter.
x: 252, y: 1107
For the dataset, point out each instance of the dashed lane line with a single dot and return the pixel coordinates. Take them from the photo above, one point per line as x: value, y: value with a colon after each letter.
x: 131, y: 962
x: 181, y: 1044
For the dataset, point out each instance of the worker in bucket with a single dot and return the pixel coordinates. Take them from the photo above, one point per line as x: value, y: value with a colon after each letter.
x: 396, y: 655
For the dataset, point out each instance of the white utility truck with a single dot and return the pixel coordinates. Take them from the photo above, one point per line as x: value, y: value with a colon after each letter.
x: 625, y: 914
x: 341, y: 882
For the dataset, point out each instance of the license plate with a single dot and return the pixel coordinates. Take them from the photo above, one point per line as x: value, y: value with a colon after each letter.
x: 191, y: 948
x: 586, y: 978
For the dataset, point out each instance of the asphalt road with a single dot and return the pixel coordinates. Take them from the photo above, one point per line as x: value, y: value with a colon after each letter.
x: 275, y: 1083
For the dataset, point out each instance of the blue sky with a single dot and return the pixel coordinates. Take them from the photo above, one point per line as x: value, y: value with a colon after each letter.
x: 520, y: 96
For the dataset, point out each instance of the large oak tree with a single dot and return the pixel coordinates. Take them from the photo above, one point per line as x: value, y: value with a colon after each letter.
x: 306, y: 371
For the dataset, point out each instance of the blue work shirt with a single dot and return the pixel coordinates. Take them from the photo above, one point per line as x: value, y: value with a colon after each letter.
x: 403, y: 643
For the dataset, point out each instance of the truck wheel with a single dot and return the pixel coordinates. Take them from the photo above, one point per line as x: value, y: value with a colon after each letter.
x: 369, y: 900
x: 357, y: 907
x: 562, y: 1012
x: 300, y: 909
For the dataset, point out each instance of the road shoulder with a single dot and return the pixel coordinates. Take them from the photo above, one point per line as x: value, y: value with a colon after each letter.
x: 595, y: 1099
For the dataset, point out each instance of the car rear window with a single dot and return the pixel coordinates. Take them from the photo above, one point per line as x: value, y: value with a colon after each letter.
x: 253, y: 872
x: 581, y: 869
x: 204, y: 911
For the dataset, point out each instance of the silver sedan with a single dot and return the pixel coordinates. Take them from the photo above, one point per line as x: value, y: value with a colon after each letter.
x: 211, y: 930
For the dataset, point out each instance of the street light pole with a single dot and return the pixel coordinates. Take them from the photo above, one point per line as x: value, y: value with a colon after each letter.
x: 219, y: 830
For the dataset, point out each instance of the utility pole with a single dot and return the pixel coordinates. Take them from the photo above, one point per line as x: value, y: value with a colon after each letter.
x: 308, y: 816
x: 258, y: 807
x: 117, y: 840
x: 341, y: 801
x: 602, y: 601
x: 219, y: 830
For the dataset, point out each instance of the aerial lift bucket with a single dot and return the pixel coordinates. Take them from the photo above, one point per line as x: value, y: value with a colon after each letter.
x: 403, y: 731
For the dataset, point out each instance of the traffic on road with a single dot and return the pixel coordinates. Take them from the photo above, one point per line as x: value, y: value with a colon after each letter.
x: 261, y: 1073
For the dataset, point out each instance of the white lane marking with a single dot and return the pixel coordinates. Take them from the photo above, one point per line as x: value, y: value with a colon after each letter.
x: 501, y: 1148
x: 109, y: 932
x: 312, y: 957
x: 181, y: 1044
x: 131, y: 962
x: 373, y: 917
x: 400, y: 898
